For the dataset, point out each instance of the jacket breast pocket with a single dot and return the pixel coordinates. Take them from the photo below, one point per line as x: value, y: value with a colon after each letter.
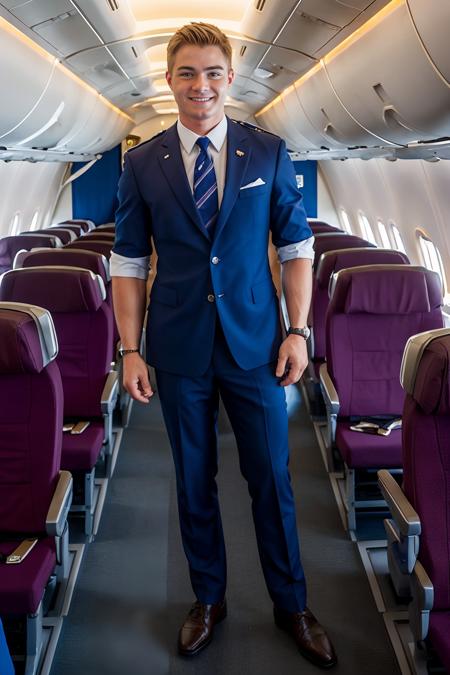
x: 253, y: 191
x: 164, y: 295
x: 263, y: 291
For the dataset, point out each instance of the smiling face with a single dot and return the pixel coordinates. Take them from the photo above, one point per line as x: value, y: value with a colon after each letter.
x: 200, y: 79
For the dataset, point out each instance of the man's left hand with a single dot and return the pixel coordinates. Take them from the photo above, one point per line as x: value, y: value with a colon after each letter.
x: 292, y: 359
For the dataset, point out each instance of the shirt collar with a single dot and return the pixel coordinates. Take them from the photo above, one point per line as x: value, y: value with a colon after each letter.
x: 217, y: 135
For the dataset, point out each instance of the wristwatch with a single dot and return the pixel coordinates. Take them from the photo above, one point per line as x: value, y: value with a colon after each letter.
x: 303, y: 332
x: 122, y: 352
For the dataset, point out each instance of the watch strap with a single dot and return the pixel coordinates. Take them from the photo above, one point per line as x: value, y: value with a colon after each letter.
x: 123, y: 352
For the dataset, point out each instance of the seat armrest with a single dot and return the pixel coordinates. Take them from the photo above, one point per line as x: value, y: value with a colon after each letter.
x: 405, y: 517
x: 109, y: 393
x: 60, y: 505
x: 422, y: 592
x: 329, y: 392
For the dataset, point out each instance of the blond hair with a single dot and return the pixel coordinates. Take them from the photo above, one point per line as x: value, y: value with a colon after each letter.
x: 201, y: 35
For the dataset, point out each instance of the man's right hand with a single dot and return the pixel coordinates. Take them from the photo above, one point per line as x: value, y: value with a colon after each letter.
x: 135, y: 378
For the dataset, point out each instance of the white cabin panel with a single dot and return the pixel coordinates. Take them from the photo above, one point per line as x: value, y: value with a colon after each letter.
x: 27, y: 188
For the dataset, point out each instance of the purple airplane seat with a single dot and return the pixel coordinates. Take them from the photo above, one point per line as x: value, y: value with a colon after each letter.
x: 83, y: 321
x: 373, y: 310
x: 320, y: 226
x: 10, y: 246
x: 97, y: 245
x: 329, y: 263
x: 87, y: 225
x: 89, y: 260
x: 96, y: 235
x: 107, y: 227
x: 35, y: 495
x: 76, y: 229
x: 332, y: 241
x: 419, y: 533
x: 64, y: 234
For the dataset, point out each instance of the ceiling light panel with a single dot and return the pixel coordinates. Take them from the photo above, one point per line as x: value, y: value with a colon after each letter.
x: 144, y: 11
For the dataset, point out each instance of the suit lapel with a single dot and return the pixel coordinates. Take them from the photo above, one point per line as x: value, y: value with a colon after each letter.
x: 238, y: 154
x: 171, y: 163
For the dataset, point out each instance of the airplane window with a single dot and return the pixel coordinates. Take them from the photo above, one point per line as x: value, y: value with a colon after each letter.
x: 34, y: 221
x: 432, y: 258
x: 399, y: 245
x: 15, y: 224
x: 383, y: 234
x: 366, y: 228
x: 346, y: 221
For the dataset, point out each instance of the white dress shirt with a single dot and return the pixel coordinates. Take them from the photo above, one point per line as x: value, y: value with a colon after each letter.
x: 121, y: 266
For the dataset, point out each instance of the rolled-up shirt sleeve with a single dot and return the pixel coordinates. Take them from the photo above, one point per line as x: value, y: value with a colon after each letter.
x: 122, y: 266
x: 301, y: 249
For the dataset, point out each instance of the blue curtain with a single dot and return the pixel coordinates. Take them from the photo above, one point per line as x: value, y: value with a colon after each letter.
x: 94, y: 194
x: 306, y: 172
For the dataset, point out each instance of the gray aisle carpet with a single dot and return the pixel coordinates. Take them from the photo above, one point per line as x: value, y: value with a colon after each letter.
x: 133, y: 590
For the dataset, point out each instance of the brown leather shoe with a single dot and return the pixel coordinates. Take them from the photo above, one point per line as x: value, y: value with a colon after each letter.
x: 197, y: 631
x: 310, y: 637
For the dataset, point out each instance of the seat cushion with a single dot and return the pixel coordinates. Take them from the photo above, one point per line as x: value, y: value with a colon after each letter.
x: 22, y: 586
x: 80, y: 451
x: 439, y: 633
x: 367, y: 450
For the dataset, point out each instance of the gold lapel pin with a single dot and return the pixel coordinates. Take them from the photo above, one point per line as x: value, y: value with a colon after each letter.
x: 240, y: 153
x: 166, y: 156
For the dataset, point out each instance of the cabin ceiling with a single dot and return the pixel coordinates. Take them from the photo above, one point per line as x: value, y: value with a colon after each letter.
x: 118, y: 46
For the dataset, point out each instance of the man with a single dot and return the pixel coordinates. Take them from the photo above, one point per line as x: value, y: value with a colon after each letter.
x: 208, y: 190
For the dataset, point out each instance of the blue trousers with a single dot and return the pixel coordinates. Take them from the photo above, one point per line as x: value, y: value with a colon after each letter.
x: 256, y: 407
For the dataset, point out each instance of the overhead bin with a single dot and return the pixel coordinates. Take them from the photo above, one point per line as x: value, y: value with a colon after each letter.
x: 299, y: 125
x: 328, y: 115
x: 291, y: 106
x: 52, y: 108
x: 13, y: 67
x: 433, y: 30
x: 385, y: 79
x: 276, y: 122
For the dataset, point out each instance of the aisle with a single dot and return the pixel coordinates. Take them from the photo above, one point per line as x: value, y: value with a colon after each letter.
x: 133, y: 589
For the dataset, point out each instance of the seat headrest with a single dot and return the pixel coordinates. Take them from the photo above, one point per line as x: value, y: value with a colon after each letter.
x: 28, y: 338
x: 91, y: 260
x: 425, y: 372
x: 385, y: 289
x: 332, y: 241
x: 59, y: 289
x: 333, y: 261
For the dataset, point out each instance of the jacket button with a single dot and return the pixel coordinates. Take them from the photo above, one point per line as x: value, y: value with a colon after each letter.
x: 215, y: 260
x: 211, y: 298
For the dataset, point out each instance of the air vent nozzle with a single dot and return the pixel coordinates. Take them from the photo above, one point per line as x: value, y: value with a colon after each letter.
x: 113, y: 5
x: 260, y: 5
x: 243, y: 50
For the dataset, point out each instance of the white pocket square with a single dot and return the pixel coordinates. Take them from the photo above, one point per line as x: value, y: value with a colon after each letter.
x: 255, y: 183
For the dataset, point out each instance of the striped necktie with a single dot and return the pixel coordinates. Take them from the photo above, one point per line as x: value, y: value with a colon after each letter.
x: 205, y: 186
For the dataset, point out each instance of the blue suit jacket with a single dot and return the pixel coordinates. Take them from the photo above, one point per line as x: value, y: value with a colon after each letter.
x: 155, y: 200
